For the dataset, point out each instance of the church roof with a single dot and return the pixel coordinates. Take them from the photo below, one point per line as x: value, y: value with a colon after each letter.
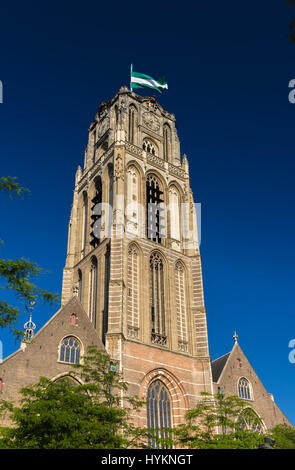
x: 217, y: 366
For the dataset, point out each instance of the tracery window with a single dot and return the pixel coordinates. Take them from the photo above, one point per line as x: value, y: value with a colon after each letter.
x: 174, y: 206
x: 157, y: 300
x: 244, y: 389
x: 70, y: 350
x: 93, y: 290
x: 249, y: 420
x: 155, y: 209
x: 158, y: 412
x: 149, y: 147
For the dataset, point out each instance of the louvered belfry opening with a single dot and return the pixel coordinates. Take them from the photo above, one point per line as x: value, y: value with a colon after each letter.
x: 96, y: 214
x: 154, y: 210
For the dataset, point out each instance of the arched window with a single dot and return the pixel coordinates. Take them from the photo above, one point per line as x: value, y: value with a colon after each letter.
x: 174, y: 207
x: 67, y: 379
x: 96, y: 213
x: 149, y: 147
x: 180, y: 293
x: 158, y: 412
x: 132, y: 118
x: 133, y: 206
x: 244, y: 389
x: 70, y: 350
x: 166, y: 139
x: 249, y: 420
x: 157, y: 300
x: 84, y: 221
x: 155, y: 210
x: 93, y: 290
x: 132, y: 291
x: 1, y: 385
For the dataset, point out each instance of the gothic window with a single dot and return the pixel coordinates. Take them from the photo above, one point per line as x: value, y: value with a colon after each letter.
x: 166, y: 139
x: 249, y: 420
x: 154, y: 210
x: 133, y: 206
x: 158, y: 411
x: 180, y: 293
x: 149, y: 147
x: 132, y: 118
x: 70, y: 350
x: 174, y: 206
x: 96, y: 214
x: 244, y: 389
x: 106, y: 294
x: 93, y: 290
x: 157, y: 300
x: 132, y: 291
x: 84, y: 220
x: 68, y: 380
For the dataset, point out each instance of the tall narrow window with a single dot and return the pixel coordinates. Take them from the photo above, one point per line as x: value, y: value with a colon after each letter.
x: 158, y: 412
x: 157, y: 300
x: 132, y: 292
x: 131, y: 130
x: 96, y: 214
x: 84, y: 221
x: 93, y: 290
x: 166, y: 139
x: 244, y: 389
x: 180, y: 294
x: 132, y: 207
x: 154, y: 210
x: 106, y: 294
x: 174, y: 206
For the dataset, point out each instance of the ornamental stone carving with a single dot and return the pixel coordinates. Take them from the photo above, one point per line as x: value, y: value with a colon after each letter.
x: 151, y: 121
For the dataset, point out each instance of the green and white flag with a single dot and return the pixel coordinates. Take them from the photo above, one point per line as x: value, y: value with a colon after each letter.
x: 141, y: 80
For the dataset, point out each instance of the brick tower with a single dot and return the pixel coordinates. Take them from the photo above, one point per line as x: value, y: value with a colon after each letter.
x: 133, y: 258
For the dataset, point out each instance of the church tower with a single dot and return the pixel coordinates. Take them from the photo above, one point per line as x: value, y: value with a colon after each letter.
x: 133, y: 258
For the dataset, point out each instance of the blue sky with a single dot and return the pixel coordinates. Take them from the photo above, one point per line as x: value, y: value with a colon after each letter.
x: 228, y: 66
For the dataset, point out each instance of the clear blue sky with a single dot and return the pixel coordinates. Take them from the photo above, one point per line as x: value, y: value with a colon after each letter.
x: 228, y: 65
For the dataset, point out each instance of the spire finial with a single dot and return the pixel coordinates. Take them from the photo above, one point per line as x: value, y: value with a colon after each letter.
x: 235, y: 337
x: 29, y: 326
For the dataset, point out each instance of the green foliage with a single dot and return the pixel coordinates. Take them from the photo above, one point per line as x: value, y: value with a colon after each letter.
x: 18, y: 274
x: 284, y: 436
x: 60, y: 415
x: 219, y: 422
x: 10, y: 185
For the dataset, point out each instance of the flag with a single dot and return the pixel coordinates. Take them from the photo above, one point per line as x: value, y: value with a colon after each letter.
x: 141, y: 80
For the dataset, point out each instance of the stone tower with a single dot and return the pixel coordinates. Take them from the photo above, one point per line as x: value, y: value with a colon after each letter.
x: 133, y: 257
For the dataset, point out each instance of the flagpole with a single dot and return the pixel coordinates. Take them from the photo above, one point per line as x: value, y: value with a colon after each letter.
x: 131, y: 77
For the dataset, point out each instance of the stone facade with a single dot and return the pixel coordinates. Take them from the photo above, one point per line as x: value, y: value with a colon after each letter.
x: 135, y: 287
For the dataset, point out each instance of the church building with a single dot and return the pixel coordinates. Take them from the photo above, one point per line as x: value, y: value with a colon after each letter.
x: 132, y: 281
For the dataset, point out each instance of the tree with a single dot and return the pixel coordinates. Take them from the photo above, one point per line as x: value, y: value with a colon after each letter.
x: 18, y: 274
x: 66, y: 414
x: 219, y: 422
x: 284, y: 436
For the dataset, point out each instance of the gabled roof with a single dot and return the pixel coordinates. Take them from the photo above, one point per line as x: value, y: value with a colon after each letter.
x: 217, y: 366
